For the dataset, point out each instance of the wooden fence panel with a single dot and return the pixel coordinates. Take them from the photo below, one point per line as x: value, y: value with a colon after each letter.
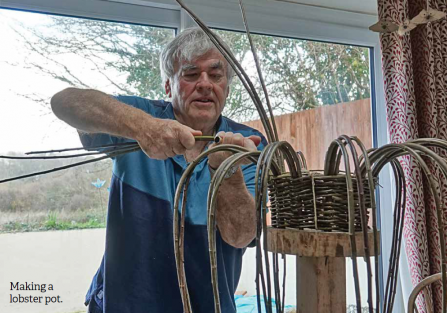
x: 312, y: 131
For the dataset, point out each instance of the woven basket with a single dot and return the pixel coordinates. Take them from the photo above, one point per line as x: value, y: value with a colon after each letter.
x: 314, y: 201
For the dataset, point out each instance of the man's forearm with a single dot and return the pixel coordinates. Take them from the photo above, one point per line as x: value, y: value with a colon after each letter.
x: 236, y: 214
x: 92, y: 111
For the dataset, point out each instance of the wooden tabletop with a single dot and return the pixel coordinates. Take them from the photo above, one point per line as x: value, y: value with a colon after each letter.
x: 310, y: 243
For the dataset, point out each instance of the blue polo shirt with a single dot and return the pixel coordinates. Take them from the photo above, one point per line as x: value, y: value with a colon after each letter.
x: 138, y: 272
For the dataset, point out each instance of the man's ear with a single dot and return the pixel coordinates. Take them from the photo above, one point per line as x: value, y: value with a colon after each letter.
x: 228, y: 91
x: 168, y: 88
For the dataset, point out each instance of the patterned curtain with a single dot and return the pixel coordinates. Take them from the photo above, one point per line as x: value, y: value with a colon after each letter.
x: 415, y: 78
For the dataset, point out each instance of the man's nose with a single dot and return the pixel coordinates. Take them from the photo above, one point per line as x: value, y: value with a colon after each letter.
x: 204, y: 82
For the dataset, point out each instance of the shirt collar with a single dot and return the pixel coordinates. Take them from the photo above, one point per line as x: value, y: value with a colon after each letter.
x: 168, y: 112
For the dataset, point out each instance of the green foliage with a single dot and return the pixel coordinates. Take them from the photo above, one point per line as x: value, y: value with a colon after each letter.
x: 299, y: 74
x: 353, y: 309
x: 61, y: 200
x: 51, y: 224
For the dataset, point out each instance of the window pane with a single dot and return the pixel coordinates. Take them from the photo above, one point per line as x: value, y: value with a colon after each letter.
x: 39, y: 56
x: 299, y: 74
x: 43, y: 54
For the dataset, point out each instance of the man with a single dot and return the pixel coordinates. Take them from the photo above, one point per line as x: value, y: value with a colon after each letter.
x: 137, y: 273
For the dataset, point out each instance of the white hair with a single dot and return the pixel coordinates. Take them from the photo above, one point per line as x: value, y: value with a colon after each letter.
x: 187, y: 46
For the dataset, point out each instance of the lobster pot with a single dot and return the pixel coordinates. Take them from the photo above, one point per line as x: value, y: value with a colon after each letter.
x: 314, y: 202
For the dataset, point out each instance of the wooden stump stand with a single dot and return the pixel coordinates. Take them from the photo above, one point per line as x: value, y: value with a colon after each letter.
x: 320, y: 265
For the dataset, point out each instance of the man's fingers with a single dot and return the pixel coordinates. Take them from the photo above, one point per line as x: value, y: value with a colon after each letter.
x: 237, y: 139
x: 249, y: 144
x: 221, y: 136
x: 255, y: 139
x: 170, y: 154
x: 169, y: 139
x: 179, y: 149
x: 193, y: 131
x: 226, y: 138
x: 186, y: 137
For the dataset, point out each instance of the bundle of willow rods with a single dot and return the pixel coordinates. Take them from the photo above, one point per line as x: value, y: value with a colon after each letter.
x: 107, y: 151
x: 179, y: 226
x: 420, y: 151
x: 272, y: 136
x: 332, y: 201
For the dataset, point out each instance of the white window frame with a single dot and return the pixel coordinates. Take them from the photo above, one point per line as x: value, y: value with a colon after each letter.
x: 164, y: 16
x: 265, y: 17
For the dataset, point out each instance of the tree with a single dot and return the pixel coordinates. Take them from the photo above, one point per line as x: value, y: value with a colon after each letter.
x: 302, y: 74
x: 299, y: 74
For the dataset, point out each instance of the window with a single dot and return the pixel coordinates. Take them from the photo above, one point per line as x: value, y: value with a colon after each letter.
x: 299, y: 74
x: 41, y: 55
x: 318, y: 91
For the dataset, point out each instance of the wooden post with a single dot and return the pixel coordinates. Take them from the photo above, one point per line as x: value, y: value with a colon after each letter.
x: 320, y: 265
x: 321, y: 284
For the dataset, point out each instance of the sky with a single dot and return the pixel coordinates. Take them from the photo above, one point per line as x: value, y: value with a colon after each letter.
x: 24, y: 124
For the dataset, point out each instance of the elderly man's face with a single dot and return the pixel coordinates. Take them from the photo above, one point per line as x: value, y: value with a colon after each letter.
x: 199, y: 90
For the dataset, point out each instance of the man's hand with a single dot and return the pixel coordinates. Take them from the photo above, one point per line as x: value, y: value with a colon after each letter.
x: 161, y: 139
x: 91, y: 111
x: 250, y: 143
x: 236, y: 214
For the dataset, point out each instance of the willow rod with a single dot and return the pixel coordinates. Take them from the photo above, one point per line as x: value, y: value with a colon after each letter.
x: 258, y: 68
x: 50, y: 157
x: 216, y: 181
x: 369, y: 173
x: 363, y: 216
x: 422, y: 284
x: 111, y: 155
x: 331, y: 168
x: 382, y: 156
x: 114, y: 145
x: 261, y: 80
x: 397, y: 235
x: 178, y: 226
x: 265, y: 162
x: 240, y: 72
